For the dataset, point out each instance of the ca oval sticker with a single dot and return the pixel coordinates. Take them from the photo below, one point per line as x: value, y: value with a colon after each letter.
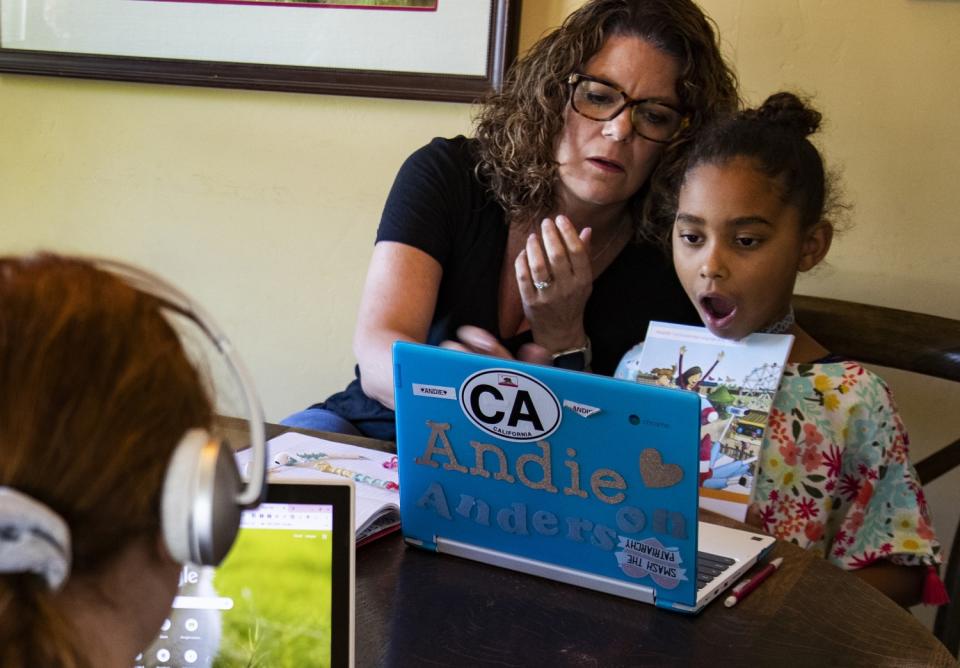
x: 510, y: 405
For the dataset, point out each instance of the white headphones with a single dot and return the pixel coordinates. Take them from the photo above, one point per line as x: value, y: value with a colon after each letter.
x: 202, y: 497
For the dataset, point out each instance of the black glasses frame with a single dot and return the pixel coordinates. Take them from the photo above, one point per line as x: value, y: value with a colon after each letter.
x: 628, y: 102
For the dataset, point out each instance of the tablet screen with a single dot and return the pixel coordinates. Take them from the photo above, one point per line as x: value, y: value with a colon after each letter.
x: 279, y: 597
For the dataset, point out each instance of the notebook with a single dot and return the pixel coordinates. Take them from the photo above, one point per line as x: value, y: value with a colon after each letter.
x: 282, y: 597
x: 297, y: 456
x: 576, y: 477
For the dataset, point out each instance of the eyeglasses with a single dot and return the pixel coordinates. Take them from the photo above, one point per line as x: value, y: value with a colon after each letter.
x: 599, y: 100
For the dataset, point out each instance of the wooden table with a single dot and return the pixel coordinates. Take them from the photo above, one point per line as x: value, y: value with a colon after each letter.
x: 416, y: 608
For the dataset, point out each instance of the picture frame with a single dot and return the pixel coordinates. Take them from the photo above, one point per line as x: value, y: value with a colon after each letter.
x: 456, y: 51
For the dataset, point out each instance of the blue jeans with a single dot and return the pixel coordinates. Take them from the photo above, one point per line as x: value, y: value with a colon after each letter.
x: 320, y: 419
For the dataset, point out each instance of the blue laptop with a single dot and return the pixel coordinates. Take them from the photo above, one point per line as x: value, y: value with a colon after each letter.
x: 579, y: 478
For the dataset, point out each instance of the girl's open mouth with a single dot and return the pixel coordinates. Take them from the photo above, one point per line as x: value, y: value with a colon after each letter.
x: 718, y: 309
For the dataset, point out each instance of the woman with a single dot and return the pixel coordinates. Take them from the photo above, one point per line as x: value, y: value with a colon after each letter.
x: 95, y: 393
x: 533, y: 231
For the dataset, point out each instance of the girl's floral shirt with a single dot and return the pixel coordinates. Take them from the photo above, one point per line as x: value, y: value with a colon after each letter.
x: 834, y: 475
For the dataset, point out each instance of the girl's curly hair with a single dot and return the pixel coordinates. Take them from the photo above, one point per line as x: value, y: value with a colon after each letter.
x: 517, y: 127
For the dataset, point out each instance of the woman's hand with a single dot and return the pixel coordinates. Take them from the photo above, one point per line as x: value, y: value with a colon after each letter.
x: 476, y: 340
x: 561, y: 268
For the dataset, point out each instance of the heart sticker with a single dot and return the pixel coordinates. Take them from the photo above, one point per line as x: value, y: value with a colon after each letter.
x: 655, y: 473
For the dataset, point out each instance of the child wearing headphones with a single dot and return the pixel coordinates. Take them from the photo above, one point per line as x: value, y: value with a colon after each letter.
x: 834, y: 474
x: 96, y: 394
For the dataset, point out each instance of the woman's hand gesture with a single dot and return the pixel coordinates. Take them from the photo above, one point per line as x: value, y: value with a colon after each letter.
x: 555, y: 281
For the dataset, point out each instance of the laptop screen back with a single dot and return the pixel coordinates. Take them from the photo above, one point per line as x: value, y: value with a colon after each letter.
x: 583, y: 472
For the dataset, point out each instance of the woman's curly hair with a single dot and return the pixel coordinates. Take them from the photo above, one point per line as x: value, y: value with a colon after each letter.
x: 517, y: 127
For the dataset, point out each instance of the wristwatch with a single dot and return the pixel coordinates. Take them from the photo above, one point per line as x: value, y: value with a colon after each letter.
x: 575, y: 359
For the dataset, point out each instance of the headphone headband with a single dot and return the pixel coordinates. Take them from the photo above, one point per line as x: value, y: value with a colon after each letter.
x: 178, y: 301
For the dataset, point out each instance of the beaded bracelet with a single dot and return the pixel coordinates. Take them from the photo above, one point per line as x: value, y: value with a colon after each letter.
x: 315, y: 461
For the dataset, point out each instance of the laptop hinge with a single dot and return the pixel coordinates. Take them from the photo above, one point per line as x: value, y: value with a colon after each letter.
x: 675, y: 607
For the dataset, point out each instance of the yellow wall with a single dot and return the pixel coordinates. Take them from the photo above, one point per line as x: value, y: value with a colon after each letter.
x: 264, y: 205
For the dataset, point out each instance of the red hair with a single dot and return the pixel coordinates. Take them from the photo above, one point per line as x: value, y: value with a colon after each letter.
x: 95, y: 392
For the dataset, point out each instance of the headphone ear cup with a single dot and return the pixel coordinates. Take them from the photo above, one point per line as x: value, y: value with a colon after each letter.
x: 217, y: 513
x: 199, y: 512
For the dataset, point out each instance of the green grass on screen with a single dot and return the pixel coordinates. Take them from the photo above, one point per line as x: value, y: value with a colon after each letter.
x: 279, y: 581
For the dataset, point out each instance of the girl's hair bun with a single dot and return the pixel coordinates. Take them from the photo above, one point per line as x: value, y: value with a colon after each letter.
x: 789, y: 112
x: 775, y: 138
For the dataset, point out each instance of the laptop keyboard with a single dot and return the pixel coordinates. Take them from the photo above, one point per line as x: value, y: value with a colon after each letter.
x: 709, y: 566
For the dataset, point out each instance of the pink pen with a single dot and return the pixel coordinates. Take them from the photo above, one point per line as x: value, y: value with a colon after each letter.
x: 744, y: 587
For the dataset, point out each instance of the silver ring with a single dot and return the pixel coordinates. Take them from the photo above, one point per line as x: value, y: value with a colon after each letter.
x: 541, y: 285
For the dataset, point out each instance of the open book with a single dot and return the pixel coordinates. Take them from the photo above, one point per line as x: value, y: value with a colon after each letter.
x: 374, y: 475
x: 737, y: 382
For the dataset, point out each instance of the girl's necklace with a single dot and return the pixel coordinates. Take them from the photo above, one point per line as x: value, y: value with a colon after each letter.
x: 783, y: 325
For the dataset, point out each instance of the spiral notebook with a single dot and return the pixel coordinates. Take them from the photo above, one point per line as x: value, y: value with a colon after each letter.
x: 296, y: 456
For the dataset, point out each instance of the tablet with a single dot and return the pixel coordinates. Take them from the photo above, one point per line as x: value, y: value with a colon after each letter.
x: 282, y: 597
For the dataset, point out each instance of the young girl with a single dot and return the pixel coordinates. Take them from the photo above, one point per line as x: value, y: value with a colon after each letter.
x: 834, y: 475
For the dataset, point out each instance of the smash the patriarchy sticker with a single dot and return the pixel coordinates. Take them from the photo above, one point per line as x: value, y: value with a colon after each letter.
x: 640, y: 558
